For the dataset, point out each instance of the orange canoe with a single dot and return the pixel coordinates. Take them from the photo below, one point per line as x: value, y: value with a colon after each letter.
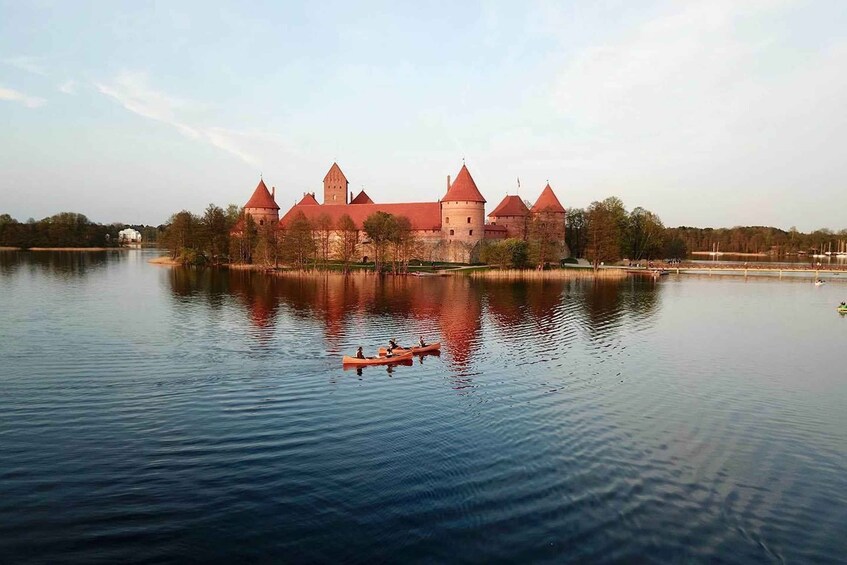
x: 415, y: 350
x: 377, y: 360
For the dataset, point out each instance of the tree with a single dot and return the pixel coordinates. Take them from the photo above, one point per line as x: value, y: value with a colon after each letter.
x: 544, y: 239
x: 349, y: 240
x: 323, y: 235
x: 605, y: 222
x: 507, y: 253
x: 575, y: 232
x: 215, y: 233
x: 403, y: 243
x: 379, y: 227
x: 298, y: 243
x: 181, y: 237
x: 242, y: 243
x: 645, y: 235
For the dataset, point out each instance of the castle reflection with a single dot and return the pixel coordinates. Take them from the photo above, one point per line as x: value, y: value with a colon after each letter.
x: 455, y: 310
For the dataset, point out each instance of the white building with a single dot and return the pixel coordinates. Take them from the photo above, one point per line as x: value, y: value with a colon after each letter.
x: 129, y: 235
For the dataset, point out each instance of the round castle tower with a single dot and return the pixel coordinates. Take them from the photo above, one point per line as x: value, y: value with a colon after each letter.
x: 262, y: 205
x: 462, y: 218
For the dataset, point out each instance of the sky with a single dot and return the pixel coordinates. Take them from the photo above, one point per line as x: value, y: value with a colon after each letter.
x: 709, y: 113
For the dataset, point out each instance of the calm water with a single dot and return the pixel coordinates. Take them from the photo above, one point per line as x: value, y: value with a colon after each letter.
x: 150, y: 414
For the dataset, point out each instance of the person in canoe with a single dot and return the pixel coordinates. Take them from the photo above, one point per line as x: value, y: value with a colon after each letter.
x: 422, y: 342
x: 359, y: 354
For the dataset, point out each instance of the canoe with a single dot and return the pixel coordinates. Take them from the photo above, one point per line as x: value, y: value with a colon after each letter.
x: 842, y: 310
x: 376, y: 360
x: 431, y: 348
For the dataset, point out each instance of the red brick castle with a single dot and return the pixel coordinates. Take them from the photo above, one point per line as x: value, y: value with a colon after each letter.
x: 449, y: 229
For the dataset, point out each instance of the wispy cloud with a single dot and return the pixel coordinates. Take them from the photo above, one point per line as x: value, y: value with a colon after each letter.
x: 132, y: 91
x: 29, y: 64
x: 15, y: 96
x: 704, y: 84
x: 68, y: 87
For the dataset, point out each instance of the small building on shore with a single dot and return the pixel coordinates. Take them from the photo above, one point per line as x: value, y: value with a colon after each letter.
x: 129, y: 235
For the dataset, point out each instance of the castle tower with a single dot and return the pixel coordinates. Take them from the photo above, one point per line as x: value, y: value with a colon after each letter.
x: 548, y: 210
x: 462, y: 218
x: 262, y: 205
x: 513, y: 215
x: 335, y: 186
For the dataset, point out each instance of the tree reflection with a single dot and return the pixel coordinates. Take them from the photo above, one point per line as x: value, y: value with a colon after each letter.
x: 62, y: 264
x: 367, y: 309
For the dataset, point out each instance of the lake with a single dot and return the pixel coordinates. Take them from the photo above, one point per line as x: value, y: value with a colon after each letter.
x: 154, y: 414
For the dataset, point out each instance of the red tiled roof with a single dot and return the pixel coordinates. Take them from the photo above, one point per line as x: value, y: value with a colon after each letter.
x: 510, y: 206
x: 422, y: 215
x: 494, y: 227
x: 308, y: 200
x: 332, y: 169
x: 463, y: 189
x: 548, y: 202
x: 362, y: 198
x: 261, y: 198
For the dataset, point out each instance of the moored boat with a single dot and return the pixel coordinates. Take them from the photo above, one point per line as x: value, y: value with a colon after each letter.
x: 842, y: 309
x: 348, y: 360
x: 431, y: 348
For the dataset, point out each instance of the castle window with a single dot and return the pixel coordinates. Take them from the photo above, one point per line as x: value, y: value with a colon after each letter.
x: 470, y: 232
x: 261, y: 222
x: 447, y: 220
x: 469, y: 219
x: 451, y: 232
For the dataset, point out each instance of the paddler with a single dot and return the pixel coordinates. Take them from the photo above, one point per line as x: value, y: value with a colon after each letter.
x: 359, y: 353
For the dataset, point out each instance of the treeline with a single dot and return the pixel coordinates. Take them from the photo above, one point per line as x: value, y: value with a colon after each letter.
x: 759, y: 239
x: 66, y: 229
x: 606, y: 232
x: 230, y: 236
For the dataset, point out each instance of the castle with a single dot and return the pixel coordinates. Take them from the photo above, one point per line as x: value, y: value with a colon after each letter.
x: 450, y: 229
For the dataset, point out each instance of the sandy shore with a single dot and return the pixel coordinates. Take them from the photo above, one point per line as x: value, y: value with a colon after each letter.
x: 164, y: 260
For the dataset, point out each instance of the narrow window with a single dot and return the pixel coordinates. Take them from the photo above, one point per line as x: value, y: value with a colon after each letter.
x: 470, y: 232
x: 261, y: 222
x: 469, y: 219
x: 447, y: 220
x: 451, y: 232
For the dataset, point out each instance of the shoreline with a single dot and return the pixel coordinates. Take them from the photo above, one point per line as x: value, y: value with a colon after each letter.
x: 164, y: 260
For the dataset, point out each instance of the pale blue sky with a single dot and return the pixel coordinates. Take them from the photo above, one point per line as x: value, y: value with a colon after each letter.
x: 713, y: 113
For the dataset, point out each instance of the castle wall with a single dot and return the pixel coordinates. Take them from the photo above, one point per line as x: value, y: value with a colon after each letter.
x: 263, y: 216
x: 516, y: 226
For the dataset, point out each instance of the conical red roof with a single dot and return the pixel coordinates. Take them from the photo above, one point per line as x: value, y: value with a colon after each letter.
x: 463, y: 189
x: 308, y: 200
x: 362, y: 198
x: 548, y: 202
x: 261, y: 198
x: 334, y: 169
x: 510, y: 206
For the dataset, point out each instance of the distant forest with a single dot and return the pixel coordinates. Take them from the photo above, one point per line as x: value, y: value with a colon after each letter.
x: 66, y: 229
x: 606, y: 231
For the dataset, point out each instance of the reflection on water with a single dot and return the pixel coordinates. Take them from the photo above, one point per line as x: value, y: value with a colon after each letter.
x: 58, y: 263
x: 152, y: 414
x: 449, y: 310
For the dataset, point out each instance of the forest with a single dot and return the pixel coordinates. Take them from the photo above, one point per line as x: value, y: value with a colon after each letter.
x: 66, y: 229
